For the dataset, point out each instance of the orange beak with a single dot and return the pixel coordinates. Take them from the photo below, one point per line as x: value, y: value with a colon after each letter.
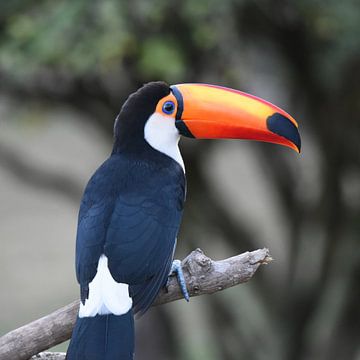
x: 211, y: 112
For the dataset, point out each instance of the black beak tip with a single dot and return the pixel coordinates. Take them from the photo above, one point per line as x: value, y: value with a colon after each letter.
x: 282, y: 126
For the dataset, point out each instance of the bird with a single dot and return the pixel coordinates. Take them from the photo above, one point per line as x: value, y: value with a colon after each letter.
x: 132, y: 206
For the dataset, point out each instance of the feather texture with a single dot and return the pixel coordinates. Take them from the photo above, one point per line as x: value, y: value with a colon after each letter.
x: 130, y: 213
x: 106, y: 296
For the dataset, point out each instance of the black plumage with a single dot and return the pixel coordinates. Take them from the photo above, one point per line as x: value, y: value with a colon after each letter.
x: 132, y: 207
x: 131, y: 212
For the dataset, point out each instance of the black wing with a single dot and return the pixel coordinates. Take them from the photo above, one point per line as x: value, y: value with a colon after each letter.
x: 140, y: 242
x: 95, y: 210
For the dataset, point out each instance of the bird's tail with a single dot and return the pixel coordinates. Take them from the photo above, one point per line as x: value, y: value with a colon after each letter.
x: 103, y: 337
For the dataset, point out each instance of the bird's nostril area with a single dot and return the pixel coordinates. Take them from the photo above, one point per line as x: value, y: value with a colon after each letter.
x: 282, y: 126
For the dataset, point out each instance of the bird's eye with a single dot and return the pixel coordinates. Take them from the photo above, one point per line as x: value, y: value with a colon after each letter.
x: 168, y: 107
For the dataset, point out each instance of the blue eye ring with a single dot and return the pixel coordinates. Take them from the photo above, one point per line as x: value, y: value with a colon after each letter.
x: 168, y: 107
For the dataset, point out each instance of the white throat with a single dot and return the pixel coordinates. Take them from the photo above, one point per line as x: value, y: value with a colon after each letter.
x: 161, y: 133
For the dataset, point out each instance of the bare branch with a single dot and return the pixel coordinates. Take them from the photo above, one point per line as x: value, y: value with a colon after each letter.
x: 49, y: 356
x: 202, y: 275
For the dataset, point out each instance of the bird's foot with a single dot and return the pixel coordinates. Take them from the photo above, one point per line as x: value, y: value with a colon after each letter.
x: 177, y: 270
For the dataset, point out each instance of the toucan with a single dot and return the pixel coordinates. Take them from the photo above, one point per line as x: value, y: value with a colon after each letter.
x: 132, y: 206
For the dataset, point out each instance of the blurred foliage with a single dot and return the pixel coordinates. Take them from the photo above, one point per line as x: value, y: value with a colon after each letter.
x: 303, y: 53
x: 95, y: 37
x: 82, y: 37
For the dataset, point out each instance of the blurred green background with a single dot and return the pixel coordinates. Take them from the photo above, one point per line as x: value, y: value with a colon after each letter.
x: 65, y: 69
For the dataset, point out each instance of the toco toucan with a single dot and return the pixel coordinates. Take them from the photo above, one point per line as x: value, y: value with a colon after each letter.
x: 132, y: 206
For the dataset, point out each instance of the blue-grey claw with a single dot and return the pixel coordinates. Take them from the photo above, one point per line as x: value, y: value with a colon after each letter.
x: 177, y: 270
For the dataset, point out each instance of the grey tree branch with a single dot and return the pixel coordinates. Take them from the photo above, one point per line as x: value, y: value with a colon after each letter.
x: 49, y: 356
x: 202, y: 275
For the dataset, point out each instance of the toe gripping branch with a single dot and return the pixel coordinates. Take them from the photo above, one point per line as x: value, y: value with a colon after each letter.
x: 177, y: 270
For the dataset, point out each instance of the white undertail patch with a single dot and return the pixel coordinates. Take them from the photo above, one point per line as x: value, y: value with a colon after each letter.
x: 161, y: 133
x: 106, y: 296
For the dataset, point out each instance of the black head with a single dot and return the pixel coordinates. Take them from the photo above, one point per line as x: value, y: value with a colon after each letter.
x: 130, y: 123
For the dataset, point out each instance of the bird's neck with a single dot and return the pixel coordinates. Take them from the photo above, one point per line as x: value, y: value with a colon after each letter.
x: 144, y: 152
x: 159, y: 135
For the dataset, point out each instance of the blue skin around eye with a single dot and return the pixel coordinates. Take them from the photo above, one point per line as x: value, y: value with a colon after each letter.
x: 171, y: 107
